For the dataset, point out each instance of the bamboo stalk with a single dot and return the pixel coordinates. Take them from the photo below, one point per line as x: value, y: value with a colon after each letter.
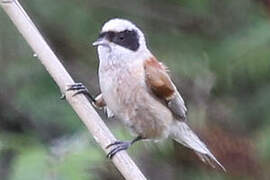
x: 79, y: 103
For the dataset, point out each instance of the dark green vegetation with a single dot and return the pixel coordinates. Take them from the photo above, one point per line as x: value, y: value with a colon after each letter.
x: 218, y: 52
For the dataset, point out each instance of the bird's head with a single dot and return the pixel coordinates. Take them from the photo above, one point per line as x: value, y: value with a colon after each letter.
x: 121, y: 38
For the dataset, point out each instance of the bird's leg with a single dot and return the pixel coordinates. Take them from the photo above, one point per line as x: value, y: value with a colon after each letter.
x: 120, y: 146
x: 80, y: 89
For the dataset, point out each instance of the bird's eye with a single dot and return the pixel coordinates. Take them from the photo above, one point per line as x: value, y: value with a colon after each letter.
x: 127, y: 39
x: 121, y: 37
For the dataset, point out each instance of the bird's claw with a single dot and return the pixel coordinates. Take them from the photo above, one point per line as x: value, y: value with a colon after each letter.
x: 119, y: 146
x: 75, y: 86
x: 80, y: 89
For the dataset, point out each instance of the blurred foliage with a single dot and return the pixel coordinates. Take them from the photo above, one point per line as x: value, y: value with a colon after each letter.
x: 218, y: 54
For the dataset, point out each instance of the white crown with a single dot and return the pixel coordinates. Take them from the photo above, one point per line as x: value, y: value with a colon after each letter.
x: 118, y: 25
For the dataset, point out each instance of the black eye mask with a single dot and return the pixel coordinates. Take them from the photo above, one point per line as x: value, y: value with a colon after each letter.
x: 128, y: 39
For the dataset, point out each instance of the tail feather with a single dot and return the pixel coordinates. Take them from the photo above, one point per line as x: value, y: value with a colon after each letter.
x: 185, y: 136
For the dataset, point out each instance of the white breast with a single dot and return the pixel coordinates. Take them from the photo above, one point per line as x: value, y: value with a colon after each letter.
x: 118, y: 81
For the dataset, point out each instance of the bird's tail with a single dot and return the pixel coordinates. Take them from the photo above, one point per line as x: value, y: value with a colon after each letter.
x: 184, y: 135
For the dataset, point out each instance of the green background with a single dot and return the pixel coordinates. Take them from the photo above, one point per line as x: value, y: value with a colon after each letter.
x: 218, y: 53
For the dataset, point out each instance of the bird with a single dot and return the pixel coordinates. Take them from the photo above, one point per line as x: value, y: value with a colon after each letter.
x: 138, y: 90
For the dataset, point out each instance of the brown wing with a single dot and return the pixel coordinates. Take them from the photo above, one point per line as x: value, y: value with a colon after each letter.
x: 161, y: 85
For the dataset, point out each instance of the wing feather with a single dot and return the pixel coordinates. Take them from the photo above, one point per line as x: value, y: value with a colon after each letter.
x: 162, y: 86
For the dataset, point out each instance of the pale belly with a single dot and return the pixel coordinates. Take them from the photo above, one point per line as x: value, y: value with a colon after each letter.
x: 125, y: 93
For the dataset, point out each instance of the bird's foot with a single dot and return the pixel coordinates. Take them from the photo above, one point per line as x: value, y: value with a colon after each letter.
x: 117, y: 146
x: 120, y: 146
x: 80, y: 89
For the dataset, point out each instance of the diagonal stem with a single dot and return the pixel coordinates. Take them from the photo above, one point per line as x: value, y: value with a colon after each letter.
x: 79, y: 103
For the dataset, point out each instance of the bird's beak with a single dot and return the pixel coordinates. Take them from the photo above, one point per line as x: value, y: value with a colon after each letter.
x: 100, y: 42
